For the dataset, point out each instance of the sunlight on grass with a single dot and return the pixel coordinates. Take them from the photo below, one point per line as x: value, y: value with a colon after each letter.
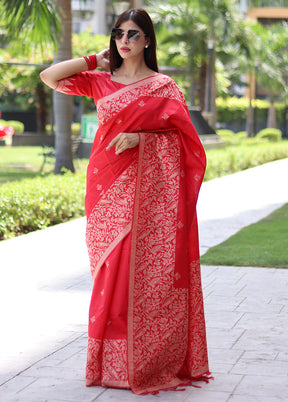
x: 262, y: 244
x: 17, y: 163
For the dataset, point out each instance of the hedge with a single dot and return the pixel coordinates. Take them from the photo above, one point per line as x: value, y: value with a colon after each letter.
x: 34, y: 204
x: 233, y: 159
x: 233, y: 109
x: 18, y: 126
x: 265, y: 135
x: 75, y: 129
x: 270, y: 134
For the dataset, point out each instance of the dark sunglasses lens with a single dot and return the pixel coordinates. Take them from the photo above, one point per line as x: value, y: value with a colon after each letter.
x: 116, y: 33
x: 133, y: 35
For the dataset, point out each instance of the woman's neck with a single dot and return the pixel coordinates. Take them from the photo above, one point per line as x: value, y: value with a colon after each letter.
x: 132, y: 70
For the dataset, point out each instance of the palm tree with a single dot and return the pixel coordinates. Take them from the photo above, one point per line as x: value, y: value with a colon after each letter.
x: 197, y: 24
x: 63, y: 104
x: 38, y: 23
x: 272, y: 65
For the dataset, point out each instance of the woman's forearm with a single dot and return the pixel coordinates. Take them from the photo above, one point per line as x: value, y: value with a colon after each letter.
x: 65, y: 69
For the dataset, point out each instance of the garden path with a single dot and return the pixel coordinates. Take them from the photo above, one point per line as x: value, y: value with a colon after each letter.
x: 44, y: 297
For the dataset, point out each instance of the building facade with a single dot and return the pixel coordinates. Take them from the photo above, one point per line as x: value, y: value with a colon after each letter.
x: 98, y: 16
x: 266, y: 12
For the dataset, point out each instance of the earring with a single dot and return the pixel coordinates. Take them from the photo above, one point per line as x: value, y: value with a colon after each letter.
x: 146, y: 46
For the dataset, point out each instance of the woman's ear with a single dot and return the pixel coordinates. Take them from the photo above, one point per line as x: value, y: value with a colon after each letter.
x: 147, y: 43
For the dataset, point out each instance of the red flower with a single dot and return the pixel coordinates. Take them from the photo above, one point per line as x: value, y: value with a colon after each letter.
x: 7, y: 130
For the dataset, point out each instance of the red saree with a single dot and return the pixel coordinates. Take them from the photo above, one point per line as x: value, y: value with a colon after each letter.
x: 146, y: 318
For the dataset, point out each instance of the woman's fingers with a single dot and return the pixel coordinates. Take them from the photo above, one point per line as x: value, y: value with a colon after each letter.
x: 124, y: 141
x: 103, y: 58
x: 113, y: 142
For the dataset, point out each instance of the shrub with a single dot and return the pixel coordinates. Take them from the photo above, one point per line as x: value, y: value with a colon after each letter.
x: 18, y: 126
x: 223, y: 132
x: 75, y: 129
x: 221, y: 162
x: 242, y: 134
x: 230, y: 138
x: 233, y: 109
x: 33, y: 204
x: 270, y: 134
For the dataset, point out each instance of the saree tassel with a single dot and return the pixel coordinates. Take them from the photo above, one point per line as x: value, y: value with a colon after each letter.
x: 205, y: 377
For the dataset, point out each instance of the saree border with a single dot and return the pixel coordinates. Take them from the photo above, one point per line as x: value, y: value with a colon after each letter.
x: 110, y: 248
x: 159, y: 86
x: 130, y: 336
x: 130, y: 87
x: 99, y: 247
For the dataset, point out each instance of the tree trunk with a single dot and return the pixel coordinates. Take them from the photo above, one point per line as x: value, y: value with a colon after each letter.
x: 213, y: 94
x: 250, y: 113
x: 63, y: 104
x: 192, y: 91
x: 271, y: 120
x: 203, y: 74
x: 41, y: 105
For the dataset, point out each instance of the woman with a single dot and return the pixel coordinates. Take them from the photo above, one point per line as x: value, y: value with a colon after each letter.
x: 146, y: 318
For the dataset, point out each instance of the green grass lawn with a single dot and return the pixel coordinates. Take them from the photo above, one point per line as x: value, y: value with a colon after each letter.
x: 18, y: 163
x: 262, y: 244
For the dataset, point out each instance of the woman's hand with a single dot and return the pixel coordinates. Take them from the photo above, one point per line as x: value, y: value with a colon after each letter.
x: 124, y: 141
x: 103, y: 59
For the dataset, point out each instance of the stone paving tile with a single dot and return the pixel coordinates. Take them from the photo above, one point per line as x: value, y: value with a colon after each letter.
x: 222, y: 319
x: 223, y: 338
x: 261, y: 341
x: 208, y: 396
x: 43, y: 389
x: 230, y: 356
x: 113, y: 395
x: 268, y: 386
x: 221, y: 368
x: 263, y: 321
x: 240, y: 398
x: 223, y: 383
x: 14, y: 387
x: 282, y: 356
x: 69, y: 373
x: 79, y: 358
x: 264, y: 355
x: 261, y: 367
x: 249, y: 305
x: 224, y: 302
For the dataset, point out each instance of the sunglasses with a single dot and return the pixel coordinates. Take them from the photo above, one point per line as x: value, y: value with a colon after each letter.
x: 133, y: 35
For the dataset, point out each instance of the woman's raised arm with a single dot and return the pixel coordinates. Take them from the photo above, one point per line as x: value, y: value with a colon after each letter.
x: 65, y: 69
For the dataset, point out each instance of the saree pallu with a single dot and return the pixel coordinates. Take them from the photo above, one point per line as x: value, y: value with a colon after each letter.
x: 146, y: 318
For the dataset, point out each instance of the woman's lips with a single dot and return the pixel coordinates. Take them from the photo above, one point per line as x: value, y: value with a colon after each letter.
x: 125, y: 49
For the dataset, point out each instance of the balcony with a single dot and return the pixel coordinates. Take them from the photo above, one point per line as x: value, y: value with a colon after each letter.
x: 83, y: 10
x: 267, y: 3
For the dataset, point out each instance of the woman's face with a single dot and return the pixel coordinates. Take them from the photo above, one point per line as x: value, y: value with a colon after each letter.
x: 133, y: 47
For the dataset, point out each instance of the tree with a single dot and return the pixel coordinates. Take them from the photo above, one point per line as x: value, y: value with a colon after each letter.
x: 197, y: 24
x: 19, y: 75
x: 272, y: 64
x: 63, y: 104
x: 37, y: 23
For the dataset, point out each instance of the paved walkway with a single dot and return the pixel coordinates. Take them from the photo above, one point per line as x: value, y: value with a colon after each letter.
x: 45, y: 290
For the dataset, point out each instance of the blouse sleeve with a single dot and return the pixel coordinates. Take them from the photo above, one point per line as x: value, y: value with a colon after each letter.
x: 81, y: 84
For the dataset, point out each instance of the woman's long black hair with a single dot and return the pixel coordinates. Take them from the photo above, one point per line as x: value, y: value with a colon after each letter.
x: 143, y: 20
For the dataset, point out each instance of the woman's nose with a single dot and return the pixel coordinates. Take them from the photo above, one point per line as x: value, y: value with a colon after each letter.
x: 125, y: 37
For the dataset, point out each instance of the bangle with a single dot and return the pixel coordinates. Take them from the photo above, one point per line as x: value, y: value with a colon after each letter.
x: 91, y: 61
